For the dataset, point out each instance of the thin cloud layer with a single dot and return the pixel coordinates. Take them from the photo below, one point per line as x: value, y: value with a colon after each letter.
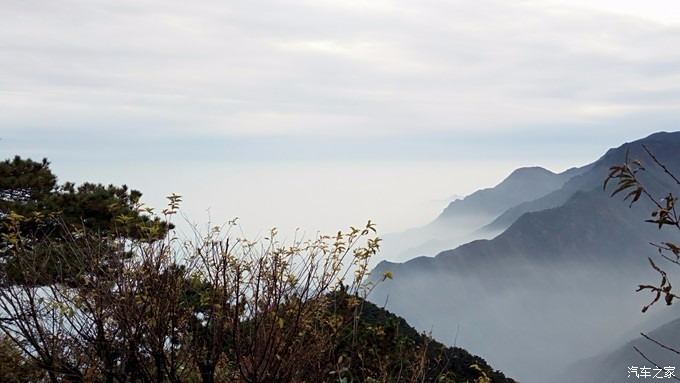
x: 369, y: 68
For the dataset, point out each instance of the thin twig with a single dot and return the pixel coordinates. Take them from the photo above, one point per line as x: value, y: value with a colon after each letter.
x: 645, y: 356
x: 651, y: 361
x: 660, y: 344
x: 656, y: 161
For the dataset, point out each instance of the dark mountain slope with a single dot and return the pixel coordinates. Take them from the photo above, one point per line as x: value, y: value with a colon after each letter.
x: 590, y: 227
x: 666, y: 146
x: 462, y: 217
x: 523, y: 184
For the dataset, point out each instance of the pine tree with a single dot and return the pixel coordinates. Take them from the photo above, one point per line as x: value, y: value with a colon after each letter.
x: 36, y: 210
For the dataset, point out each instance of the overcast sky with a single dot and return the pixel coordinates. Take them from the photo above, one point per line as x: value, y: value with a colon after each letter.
x: 324, y: 113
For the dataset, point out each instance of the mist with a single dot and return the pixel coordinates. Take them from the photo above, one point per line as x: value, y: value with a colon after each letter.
x: 557, y: 286
x: 532, y: 322
x: 309, y: 198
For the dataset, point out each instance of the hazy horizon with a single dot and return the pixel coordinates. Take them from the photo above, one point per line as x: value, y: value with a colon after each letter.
x: 311, y: 196
x: 304, y: 103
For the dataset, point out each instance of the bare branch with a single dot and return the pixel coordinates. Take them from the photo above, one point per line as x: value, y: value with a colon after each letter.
x: 660, y: 164
x: 660, y: 344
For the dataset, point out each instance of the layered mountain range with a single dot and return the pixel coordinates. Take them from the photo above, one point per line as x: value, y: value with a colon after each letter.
x: 552, y: 279
x: 466, y: 218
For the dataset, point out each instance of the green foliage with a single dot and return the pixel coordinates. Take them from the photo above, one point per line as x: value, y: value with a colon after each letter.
x: 15, y: 367
x: 38, y: 215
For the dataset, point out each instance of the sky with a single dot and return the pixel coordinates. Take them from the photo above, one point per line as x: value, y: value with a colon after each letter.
x: 321, y: 114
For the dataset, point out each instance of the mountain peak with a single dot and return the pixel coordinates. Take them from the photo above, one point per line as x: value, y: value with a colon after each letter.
x: 528, y: 173
x: 663, y: 135
x: 662, y: 144
x: 530, y: 170
x: 523, y: 184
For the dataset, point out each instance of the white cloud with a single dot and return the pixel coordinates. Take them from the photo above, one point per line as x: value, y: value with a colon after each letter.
x: 340, y: 68
x: 659, y: 11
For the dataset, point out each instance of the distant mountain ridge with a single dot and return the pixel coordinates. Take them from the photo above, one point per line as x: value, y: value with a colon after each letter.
x: 591, y: 176
x: 523, y: 184
x: 574, y: 242
x: 531, y: 238
x: 462, y: 219
x: 577, y: 216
